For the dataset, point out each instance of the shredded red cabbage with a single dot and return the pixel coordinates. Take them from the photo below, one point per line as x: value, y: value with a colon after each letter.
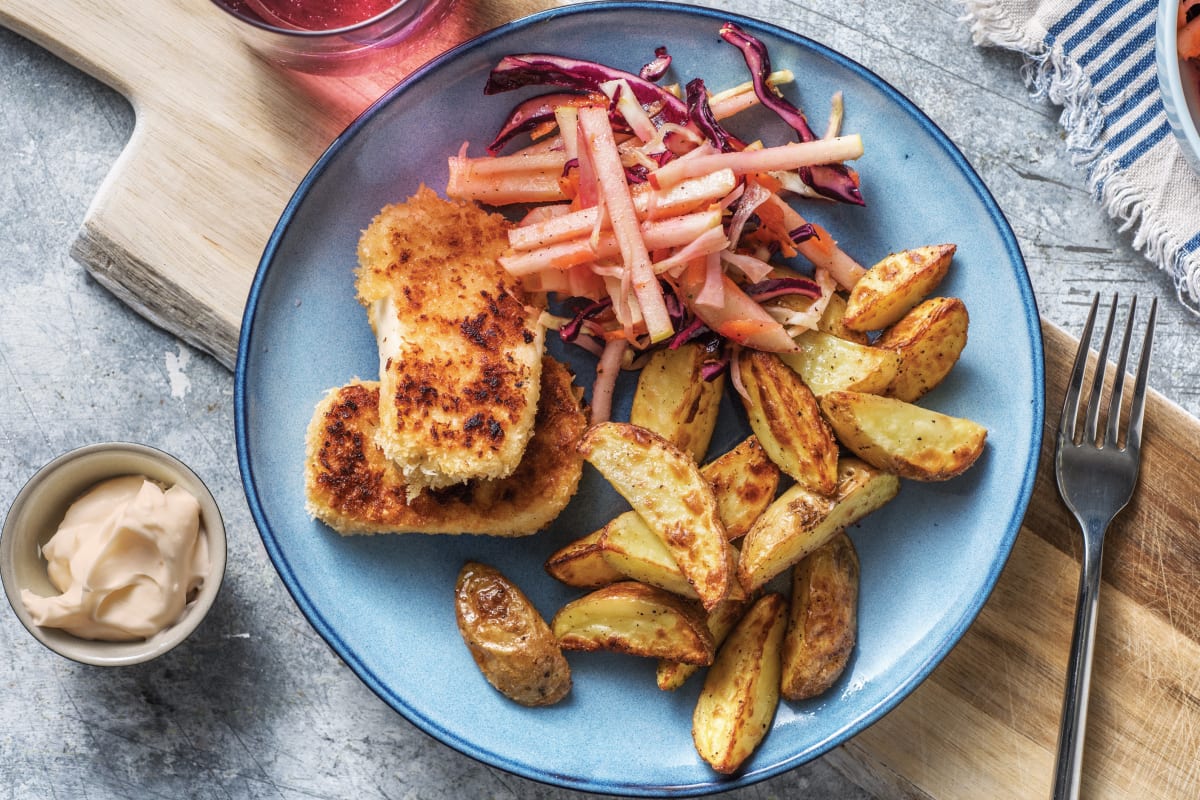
x: 702, y: 117
x: 533, y: 69
x: 693, y: 330
x: 570, y: 332
x: 676, y: 310
x: 713, y: 343
x: 834, y: 181
x: 661, y: 157
x: 658, y: 67
x: 778, y: 287
x: 759, y: 61
x: 530, y: 113
x: 711, y: 369
x: 636, y: 174
x: 830, y: 180
x: 802, y: 233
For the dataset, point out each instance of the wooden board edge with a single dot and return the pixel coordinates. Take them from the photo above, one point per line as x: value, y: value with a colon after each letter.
x: 54, y: 43
x: 860, y: 765
x: 170, y: 306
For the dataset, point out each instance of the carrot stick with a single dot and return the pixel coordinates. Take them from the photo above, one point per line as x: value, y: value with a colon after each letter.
x: 619, y: 204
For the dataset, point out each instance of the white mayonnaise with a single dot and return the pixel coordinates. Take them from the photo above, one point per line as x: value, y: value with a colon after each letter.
x: 126, y: 558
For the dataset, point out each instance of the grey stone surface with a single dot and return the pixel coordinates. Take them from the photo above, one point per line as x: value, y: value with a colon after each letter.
x: 255, y: 705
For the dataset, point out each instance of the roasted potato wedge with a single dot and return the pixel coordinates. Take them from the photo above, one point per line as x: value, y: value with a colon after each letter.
x: 786, y: 418
x: 673, y: 674
x: 509, y: 640
x: 827, y: 363
x: 744, y: 481
x: 741, y: 690
x: 833, y: 321
x: 891, y: 288
x: 665, y: 487
x: 581, y: 563
x: 673, y: 399
x: 822, y: 619
x: 929, y: 339
x: 800, y: 521
x: 634, y: 618
x: 631, y: 548
x: 903, y: 438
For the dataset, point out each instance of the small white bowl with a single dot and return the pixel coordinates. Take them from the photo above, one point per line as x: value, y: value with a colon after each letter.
x: 1179, y: 82
x: 37, y: 512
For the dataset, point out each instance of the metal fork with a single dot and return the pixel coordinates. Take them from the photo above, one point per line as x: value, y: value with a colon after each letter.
x: 1096, y: 478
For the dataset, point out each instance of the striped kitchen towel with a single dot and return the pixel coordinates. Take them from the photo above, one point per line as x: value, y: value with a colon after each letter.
x: 1095, y: 58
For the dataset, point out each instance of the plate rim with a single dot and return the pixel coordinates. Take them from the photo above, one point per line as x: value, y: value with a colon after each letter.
x: 717, y: 783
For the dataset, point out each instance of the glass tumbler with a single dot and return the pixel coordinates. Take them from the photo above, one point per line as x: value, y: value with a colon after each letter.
x: 329, y: 37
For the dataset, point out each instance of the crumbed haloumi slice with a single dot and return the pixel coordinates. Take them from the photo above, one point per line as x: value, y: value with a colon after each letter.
x: 460, y: 342
x: 352, y: 487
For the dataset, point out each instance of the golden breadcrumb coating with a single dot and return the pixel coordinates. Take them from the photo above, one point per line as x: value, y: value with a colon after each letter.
x: 354, y: 488
x: 460, y: 343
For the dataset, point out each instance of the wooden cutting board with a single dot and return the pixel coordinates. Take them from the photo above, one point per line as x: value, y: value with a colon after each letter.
x: 985, y: 723
x: 177, y: 230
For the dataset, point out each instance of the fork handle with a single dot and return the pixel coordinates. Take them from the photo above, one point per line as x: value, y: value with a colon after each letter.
x: 1068, y: 766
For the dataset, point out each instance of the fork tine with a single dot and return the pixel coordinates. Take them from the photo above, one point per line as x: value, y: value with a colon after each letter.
x: 1093, y: 409
x: 1070, y: 412
x: 1133, y: 440
x: 1118, y: 388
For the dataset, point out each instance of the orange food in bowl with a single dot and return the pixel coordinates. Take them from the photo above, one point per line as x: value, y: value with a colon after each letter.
x: 1189, y: 29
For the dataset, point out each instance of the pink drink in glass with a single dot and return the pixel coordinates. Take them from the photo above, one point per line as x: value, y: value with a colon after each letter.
x: 331, y: 37
x: 312, y: 15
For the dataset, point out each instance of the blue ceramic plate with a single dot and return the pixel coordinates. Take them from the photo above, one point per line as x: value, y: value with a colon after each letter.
x: 385, y: 604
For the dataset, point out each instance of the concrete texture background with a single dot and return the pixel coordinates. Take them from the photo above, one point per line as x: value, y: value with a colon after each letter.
x: 255, y: 705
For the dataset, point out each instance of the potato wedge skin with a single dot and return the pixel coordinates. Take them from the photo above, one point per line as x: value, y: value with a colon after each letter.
x: 581, y: 563
x: 800, y: 521
x: 827, y: 363
x: 744, y: 481
x: 902, y: 438
x: 665, y: 487
x: 895, y: 285
x: 513, y: 646
x: 741, y: 690
x: 786, y: 418
x: 929, y: 339
x: 637, y: 619
x: 822, y: 619
x: 673, y: 399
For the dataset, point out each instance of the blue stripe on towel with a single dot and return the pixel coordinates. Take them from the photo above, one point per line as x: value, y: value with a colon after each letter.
x: 1089, y: 30
x: 1121, y: 57
x: 1142, y: 66
x: 1144, y: 146
x: 1074, y: 15
x: 1116, y: 33
x: 1135, y: 127
x: 1147, y: 88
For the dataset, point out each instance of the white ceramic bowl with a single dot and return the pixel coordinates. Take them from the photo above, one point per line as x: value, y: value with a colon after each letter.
x: 1179, y: 82
x: 39, y: 508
